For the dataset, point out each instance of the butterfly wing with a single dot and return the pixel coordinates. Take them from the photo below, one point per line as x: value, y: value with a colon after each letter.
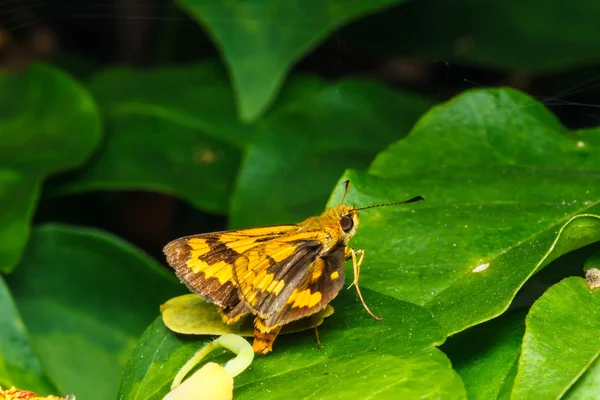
x: 290, y: 277
x: 316, y: 291
x: 204, y: 263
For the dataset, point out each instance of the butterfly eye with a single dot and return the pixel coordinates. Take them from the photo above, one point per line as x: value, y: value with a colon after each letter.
x: 346, y: 223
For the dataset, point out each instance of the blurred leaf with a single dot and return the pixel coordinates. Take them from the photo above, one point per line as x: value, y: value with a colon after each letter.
x: 19, y: 365
x: 535, y: 36
x: 49, y: 123
x: 261, y: 39
x: 588, y: 386
x: 589, y: 136
x: 561, y: 340
x: 506, y: 193
x: 360, y: 358
x: 85, y: 297
x: 171, y: 130
x: 304, y: 145
x: 486, y: 356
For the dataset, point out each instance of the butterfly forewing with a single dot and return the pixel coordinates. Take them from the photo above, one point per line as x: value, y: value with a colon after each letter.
x: 205, y: 262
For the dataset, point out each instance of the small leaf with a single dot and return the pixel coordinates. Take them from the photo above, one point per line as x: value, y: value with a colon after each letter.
x: 170, y: 130
x: 360, y: 357
x: 85, y: 297
x: 486, y: 356
x: 561, y: 340
x: 49, y: 124
x: 313, y: 134
x: 190, y: 315
x: 19, y: 365
x: 261, y: 39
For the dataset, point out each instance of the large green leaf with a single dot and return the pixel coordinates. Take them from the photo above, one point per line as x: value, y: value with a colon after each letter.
x: 171, y: 130
x: 19, y: 365
x: 304, y: 145
x: 506, y: 193
x: 536, y: 35
x: 261, y: 39
x: 49, y: 123
x: 486, y: 355
x: 85, y: 297
x: 360, y: 358
x: 561, y: 340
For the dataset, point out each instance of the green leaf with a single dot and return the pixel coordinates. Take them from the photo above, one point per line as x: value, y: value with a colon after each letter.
x: 588, y: 137
x: 588, y: 386
x: 49, y: 124
x: 170, y: 130
x: 19, y: 365
x: 360, y: 357
x: 85, y: 297
x: 506, y: 192
x: 536, y: 36
x: 561, y: 340
x: 261, y: 39
x: 486, y: 356
x: 307, y: 142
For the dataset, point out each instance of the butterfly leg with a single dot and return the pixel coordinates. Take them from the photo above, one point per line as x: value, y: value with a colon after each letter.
x: 263, y: 337
x: 356, y: 263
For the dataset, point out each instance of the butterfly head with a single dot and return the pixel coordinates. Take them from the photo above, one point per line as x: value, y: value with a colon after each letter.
x: 348, y: 215
x: 347, y: 218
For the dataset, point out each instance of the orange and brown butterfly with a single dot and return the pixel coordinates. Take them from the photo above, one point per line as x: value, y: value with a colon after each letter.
x: 278, y: 274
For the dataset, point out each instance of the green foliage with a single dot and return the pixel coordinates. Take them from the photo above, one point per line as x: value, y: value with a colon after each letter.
x: 562, y: 332
x: 48, y: 123
x: 392, y: 357
x: 260, y: 39
x: 498, y: 34
x: 508, y: 190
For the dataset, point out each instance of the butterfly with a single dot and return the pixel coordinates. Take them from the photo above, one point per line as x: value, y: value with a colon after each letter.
x: 278, y: 273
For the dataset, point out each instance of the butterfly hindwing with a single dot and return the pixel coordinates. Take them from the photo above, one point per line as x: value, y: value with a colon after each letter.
x: 315, y: 292
x: 288, y: 278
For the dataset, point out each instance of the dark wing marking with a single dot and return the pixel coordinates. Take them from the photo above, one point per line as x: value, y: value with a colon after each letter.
x: 315, y: 292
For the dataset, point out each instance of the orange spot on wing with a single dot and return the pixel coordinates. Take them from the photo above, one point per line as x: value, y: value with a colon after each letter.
x: 279, y: 287
x: 304, y: 298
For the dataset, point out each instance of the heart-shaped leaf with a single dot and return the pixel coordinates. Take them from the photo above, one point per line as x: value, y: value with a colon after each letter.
x: 85, y: 297
x: 51, y: 126
x: 561, y: 340
x: 261, y: 39
x: 360, y: 357
x: 506, y: 193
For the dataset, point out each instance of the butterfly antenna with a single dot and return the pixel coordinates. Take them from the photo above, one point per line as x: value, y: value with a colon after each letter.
x: 413, y: 200
x: 347, y: 183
